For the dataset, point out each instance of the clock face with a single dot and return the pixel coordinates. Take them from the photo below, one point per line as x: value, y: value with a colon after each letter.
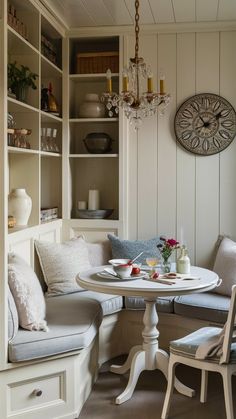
x: 205, y: 124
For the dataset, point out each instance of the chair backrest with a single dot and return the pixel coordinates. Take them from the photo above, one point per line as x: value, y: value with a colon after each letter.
x: 229, y: 328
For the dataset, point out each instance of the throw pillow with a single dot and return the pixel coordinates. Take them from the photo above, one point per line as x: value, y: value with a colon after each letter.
x: 61, y: 262
x: 131, y: 248
x: 13, y: 320
x: 27, y: 293
x: 225, y: 266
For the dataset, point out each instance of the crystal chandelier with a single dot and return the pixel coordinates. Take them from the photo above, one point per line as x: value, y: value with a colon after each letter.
x: 136, y: 103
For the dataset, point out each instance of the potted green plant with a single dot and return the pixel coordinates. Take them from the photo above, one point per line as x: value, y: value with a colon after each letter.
x: 20, y: 78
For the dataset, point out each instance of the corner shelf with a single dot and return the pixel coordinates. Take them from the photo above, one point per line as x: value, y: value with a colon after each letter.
x: 17, y: 150
x: 49, y: 117
x: 18, y: 106
x: 17, y: 42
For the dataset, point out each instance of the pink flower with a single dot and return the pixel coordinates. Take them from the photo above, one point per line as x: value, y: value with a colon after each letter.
x: 172, y: 242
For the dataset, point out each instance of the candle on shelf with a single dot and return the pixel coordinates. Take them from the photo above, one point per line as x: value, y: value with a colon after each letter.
x: 162, y: 84
x: 93, y: 199
x: 149, y: 80
x: 109, y: 81
x: 125, y: 80
x: 82, y: 205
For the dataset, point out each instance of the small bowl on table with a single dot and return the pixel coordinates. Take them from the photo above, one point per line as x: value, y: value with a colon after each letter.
x: 123, y: 271
x: 115, y: 262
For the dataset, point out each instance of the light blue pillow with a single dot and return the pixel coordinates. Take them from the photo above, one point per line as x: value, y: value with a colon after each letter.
x: 131, y: 248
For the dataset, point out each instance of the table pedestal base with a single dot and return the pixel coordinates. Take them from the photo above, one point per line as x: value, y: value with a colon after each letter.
x: 147, y: 356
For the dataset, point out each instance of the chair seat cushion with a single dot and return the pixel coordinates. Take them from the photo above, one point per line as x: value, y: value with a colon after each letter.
x: 73, y: 321
x: 187, y: 346
x: 205, y: 306
x: 163, y: 304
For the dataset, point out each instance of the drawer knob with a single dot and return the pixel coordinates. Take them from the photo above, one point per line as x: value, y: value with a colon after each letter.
x: 37, y: 392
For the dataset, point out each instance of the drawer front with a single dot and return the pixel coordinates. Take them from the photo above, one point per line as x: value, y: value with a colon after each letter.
x: 41, y: 391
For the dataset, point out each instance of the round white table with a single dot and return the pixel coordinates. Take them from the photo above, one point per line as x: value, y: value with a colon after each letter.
x: 147, y: 356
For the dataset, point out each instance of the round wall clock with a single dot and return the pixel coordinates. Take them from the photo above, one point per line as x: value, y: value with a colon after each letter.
x: 205, y: 124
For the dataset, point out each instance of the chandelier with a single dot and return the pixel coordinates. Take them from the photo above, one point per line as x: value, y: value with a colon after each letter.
x: 136, y: 103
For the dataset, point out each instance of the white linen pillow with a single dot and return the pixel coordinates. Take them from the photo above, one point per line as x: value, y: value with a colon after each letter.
x: 27, y: 293
x: 225, y: 266
x: 61, y: 263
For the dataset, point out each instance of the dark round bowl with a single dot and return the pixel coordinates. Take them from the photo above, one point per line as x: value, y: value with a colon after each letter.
x: 98, y: 142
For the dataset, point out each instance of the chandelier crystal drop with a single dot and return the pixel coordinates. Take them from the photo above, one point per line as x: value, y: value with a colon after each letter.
x: 134, y: 100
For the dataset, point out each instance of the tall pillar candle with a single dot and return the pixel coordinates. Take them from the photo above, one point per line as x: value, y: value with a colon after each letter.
x: 93, y: 199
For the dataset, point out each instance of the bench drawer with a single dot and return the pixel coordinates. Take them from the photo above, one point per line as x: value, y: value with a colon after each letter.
x: 41, y: 391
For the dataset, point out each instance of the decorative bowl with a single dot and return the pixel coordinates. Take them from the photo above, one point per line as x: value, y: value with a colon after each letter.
x: 99, y: 214
x: 98, y: 142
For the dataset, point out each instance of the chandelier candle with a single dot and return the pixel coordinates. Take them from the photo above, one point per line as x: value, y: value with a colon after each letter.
x: 162, y: 84
x: 109, y: 81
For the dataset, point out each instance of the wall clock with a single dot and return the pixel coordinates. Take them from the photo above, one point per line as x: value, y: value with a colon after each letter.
x: 205, y: 124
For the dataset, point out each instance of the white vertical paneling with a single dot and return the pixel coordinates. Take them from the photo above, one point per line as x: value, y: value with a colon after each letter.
x: 132, y: 147
x: 227, y: 10
x: 227, y: 157
x: 185, y: 160
x: 207, y: 168
x: 166, y: 207
x: 147, y: 154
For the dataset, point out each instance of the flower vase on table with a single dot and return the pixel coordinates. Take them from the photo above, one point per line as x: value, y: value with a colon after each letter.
x: 166, y: 247
x: 165, y: 266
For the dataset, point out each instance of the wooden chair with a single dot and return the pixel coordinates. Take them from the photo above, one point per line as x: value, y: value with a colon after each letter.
x: 182, y: 351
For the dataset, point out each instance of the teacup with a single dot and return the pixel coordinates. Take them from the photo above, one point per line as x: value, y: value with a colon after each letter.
x: 123, y: 271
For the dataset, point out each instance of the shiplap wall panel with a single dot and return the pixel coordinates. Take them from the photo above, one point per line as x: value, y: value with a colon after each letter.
x: 186, y: 162
x: 132, y: 150
x: 228, y: 156
x: 147, y: 155
x: 207, y: 168
x: 166, y: 206
x: 196, y: 197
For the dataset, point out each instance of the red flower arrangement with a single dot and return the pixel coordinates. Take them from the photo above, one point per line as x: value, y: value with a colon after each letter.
x: 166, y: 247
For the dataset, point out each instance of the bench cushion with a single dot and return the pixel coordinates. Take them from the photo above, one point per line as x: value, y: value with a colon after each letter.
x: 109, y: 303
x: 164, y: 304
x: 205, y: 306
x: 73, y: 322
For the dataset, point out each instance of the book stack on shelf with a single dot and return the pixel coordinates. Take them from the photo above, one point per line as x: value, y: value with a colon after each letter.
x: 48, y: 214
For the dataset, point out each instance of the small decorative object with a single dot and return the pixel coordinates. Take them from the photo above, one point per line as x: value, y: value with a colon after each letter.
x: 44, y: 99
x: 166, y: 248
x: 48, y: 214
x: 205, y: 124
x: 48, y: 49
x: 136, y: 101
x: 98, y: 142
x: 20, y: 78
x: 19, y: 206
x: 15, y: 23
x: 92, y: 107
x: 183, y: 262
x: 52, y: 102
x: 82, y: 205
x: 11, y: 221
x: 93, y: 199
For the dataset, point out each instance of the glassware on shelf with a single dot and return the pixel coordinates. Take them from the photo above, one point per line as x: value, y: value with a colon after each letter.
x: 54, y: 144
x: 43, y: 139
x: 48, y: 140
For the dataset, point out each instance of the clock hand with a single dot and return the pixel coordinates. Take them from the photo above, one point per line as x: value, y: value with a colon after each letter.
x: 217, y: 116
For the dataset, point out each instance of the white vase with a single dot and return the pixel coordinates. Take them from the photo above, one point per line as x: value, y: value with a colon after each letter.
x: 92, y: 107
x: 19, y: 206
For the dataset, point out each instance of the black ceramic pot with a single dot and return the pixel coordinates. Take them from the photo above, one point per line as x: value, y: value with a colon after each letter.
x: 98, y: 142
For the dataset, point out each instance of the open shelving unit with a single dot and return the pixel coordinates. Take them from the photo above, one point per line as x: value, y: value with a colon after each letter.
x: 38, y: 171
x: 92, y: 171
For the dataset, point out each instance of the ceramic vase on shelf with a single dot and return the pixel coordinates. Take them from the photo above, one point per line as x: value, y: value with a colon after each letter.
x: 19, y: 206
x: 92, y: 107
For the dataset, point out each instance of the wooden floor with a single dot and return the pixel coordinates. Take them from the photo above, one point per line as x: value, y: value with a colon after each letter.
x: 147, y: 400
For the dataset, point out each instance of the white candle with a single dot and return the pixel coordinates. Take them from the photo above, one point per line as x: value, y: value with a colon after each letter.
x: 93, y: 200
x: 82, y: 205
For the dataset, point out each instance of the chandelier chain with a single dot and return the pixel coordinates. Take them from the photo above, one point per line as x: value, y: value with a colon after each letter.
x: 136, y: 28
